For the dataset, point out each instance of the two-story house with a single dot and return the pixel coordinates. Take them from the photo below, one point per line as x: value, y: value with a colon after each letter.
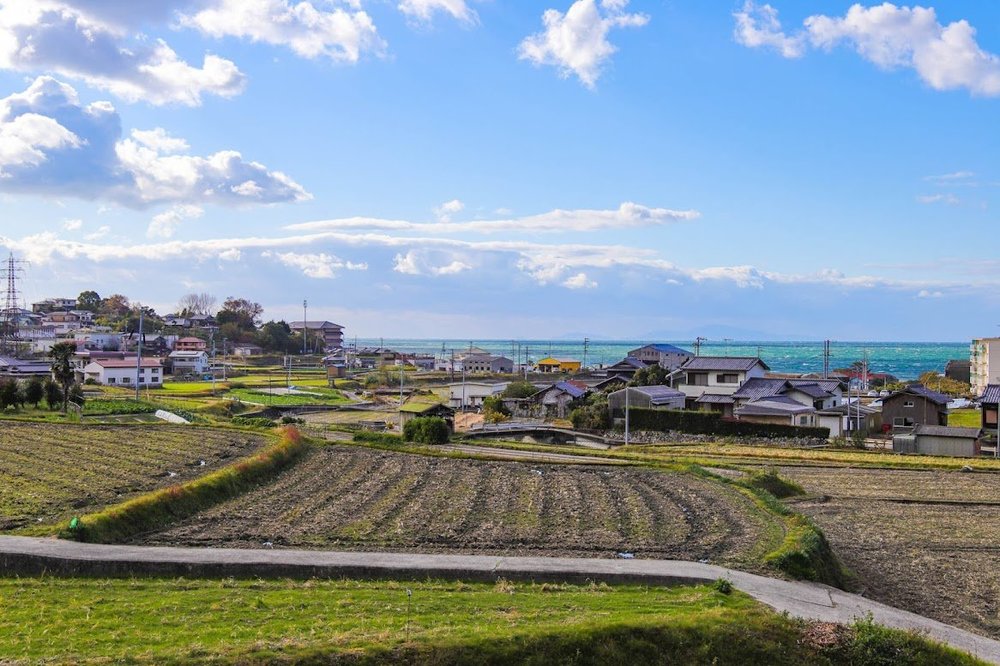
x: 915, y: 405
x: 715, y: 375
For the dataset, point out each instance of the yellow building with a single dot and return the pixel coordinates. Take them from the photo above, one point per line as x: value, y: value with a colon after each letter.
x: 559, y: 365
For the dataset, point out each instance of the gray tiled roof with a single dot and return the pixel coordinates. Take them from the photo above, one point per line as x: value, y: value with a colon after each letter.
x: 571, y: 389
x: 714, y: 399
x: 736, y: 363
x: 778, y: 405
x: 761, y: 387
x: 658, y: 395
x: 946, y: 431
x: 917, y: 389
x: 668, y: 349
x: 991, y: 394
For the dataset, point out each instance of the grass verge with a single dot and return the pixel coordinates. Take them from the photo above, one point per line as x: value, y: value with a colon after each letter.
x: 163, y: 621
x: 158, y: 509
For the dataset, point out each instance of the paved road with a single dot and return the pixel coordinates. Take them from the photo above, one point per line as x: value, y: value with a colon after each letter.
x: 25, y: 556
x: 531, y: 456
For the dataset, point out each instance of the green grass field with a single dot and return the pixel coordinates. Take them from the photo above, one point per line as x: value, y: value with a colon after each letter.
x: 966, y: 418
x: 325, y: 397
x: 181, y: 621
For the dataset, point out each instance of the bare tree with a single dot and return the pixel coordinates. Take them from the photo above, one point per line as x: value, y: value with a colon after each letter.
x: 192, y: 304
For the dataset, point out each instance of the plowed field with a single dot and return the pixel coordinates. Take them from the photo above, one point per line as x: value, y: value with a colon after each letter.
x: 925, y: 541
x: 363, y: 499
x: 51, y: 472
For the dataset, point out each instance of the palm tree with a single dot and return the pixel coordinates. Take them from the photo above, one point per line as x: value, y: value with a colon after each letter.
x: 62, y: 369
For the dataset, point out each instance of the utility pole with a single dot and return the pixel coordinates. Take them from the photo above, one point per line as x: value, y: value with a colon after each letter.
x: 138, y: 356
x: 697, y: 345
x: 586, y: 344
x: 826, y: 359
x: 626, y: 415
x: 305, y: 325
x: 400, y: 399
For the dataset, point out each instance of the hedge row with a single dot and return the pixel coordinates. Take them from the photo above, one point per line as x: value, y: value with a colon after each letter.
x: 158, y: 509
x: 709, y: 423
x: 366, y: 436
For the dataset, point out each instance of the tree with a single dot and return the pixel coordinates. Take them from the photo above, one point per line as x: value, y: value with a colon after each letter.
x: 494, y: 411
x: 277, y: 336
x: 10, y: 394
x: 426, y: 430
x: 520, y: 389
x: 62, y: 369
x: 76, y: 395
x: 115, y: 305
x: 88, y: 300
x: 242, y: 312
x: 653, y: 375
x: 34, y: 391
x: 196, y: 304
x: 53, y: 394
x: 593, y: 414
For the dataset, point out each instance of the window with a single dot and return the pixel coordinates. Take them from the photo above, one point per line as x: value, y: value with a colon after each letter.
x: 111, y: 380
x: 902, y: 421
x: 698, y: 378
x: 728, y: 378
x: 803, y: 420
x: 908, y: 403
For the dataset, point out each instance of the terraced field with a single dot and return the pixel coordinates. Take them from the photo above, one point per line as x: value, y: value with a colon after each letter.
x: 50, y: 472
x: 920, y: 540
x: 363, y: 499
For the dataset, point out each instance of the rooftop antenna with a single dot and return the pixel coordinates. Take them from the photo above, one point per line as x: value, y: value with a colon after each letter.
x: 10, y: 334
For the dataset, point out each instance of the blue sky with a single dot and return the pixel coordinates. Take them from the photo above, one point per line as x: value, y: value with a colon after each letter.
x: 492, y: 169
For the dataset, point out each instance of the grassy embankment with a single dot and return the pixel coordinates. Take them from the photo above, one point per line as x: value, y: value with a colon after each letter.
x: 226, y: 622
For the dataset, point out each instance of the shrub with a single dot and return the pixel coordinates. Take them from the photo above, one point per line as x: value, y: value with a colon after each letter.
x: 593, y: 414
x: 519, y: 389
x: 707, y: 423
x: 254, y: 421
x: 53, y: 394
x: 426, y: 430
x: 34, y: 391
x: 10, y: 394
x: 378, y: 438
x: 769, y: 481
x: 723, y: 585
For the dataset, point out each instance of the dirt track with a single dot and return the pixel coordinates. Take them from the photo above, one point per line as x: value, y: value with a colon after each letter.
x: 355, y: 498
x: 920, y: 540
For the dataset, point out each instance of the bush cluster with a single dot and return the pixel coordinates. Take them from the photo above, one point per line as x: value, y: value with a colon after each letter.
x: 708, y: 423
x: 377, y: 438
x: 426, y: 430
x: 254, y: 421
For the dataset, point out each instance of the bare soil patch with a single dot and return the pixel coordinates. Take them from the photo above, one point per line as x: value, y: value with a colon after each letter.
x: 920, y: 540
x: 361, y: 499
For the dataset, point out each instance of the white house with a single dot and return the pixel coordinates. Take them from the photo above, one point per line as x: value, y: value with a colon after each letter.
x: 122, y: 372
x: 189, y: 362
x: 463, y: 395
x: 716, y: 375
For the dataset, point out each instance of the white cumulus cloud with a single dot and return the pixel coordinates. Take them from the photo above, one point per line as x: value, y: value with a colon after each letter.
x: 163, y: 225
x: 945, y: 57
x: 579, y: 281
x: 64, y: 148
x: 424, y: 10
x: 318, y: 265
x: 577, y: 42
x: 309, y: 30
x: 75, y: 41
x: 449, y: 208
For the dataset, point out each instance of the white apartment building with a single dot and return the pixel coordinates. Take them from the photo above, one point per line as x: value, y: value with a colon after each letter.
x: 983, y: 370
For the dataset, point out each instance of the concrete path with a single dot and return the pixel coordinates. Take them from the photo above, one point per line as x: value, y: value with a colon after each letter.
x: 29, y: 556
x: 531, y: 456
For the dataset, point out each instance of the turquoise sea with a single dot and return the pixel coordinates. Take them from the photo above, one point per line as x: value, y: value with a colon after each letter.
x: 906, y: 360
